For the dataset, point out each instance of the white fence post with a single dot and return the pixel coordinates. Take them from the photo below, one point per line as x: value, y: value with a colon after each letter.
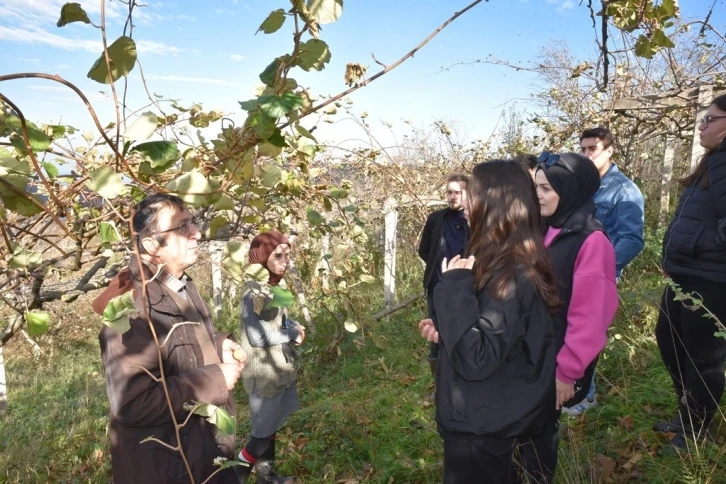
x: 216, y: 250
x: 665, y: 183
x: 322, y: 269
x: 389, y: 247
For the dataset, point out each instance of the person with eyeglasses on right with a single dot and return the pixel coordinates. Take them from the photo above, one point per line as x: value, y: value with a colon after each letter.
x: 583, y: 260
x: 694, y: 258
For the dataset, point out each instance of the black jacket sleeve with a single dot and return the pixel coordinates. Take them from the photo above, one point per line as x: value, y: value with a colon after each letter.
x: 424, y: 247
x: 717, y: 179
x: 477, y: 333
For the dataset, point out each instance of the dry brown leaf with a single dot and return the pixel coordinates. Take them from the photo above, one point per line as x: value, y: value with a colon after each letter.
x: 626, y: 422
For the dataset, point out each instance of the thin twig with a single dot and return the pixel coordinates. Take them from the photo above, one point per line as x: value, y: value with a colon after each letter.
x: 168, y: 335
x: 110, y: 79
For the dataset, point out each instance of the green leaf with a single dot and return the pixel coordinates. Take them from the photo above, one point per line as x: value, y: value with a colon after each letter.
x: 327, y: 204
x: 13, y: 166
x: 160, y: 153
x: 21, y: 205
x: 192, y: 187
x: 224, y: 203
x: 142, y: 128
x: 281, y: 298
x: 106, y: 182
x: 271, y: 175
x: 23, y: 259
x: 217, y: 223
x: 262, y: 125
x: 108, y: 232
x: 660, y: 39
x: 258, y: 272
x: 116, y: 313
x: 338, y: 193
x: 269, y: 150
x: 269, y: 75
x: 215, y: 415
x: 38, y: 322
x: 72, y: 12
x: 314, y: 217
x: 39, y: 141
x: 278, y: 106
x: 248, y: 105
x: 643, y: 47
x: 314, y: 54
x: 277, y: 139
x: 305, y: 132
x: 273, y: 22
x: 50, y: 169
x: 367, y: 279
x: 122, y: 57
x: 326, y: 11
x: 720, y: 334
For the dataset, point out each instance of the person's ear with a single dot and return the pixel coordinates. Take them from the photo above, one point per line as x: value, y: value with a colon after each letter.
x: 150, y: 245
x: 611, y: 150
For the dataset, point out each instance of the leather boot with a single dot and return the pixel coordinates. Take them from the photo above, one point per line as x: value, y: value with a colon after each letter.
x: 265, y: 468
x: 434, y: 365
x: 674, y: 425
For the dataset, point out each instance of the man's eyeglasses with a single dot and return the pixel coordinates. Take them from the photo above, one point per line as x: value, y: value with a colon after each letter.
x: 706, y: 120
x: 184, y: 229
x: 548, y: 160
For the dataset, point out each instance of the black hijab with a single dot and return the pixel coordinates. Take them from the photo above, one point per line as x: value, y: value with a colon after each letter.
x: 575, y: 186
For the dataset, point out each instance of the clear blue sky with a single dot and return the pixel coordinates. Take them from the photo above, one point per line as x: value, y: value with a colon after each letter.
x: 208, y: 52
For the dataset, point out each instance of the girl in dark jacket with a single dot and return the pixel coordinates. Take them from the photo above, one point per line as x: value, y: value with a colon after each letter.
x: 495, y: 331
x: 694, y: 257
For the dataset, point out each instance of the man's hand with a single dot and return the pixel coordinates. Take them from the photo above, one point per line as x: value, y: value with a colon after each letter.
x: 231, y: 372
x: 565, y: 392
x: 300, y: 334
x: 457, y: 263
x: 232, y: 353
x: 428, y: 331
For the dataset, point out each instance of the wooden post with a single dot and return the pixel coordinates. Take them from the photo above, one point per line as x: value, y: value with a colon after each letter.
x: 3, y: 384
x: 322, y: 270
x: 216, y: 250
x: 705, y: 97
x: 389, y: 247
x: 666, y: 176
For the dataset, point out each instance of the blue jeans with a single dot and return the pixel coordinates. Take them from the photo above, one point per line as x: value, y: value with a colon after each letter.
x: 591, y: 393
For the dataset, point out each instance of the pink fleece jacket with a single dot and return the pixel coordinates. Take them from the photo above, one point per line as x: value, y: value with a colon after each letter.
x: 592, y: 306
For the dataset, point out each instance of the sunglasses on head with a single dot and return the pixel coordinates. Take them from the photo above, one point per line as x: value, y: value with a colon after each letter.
x: 548, y: 160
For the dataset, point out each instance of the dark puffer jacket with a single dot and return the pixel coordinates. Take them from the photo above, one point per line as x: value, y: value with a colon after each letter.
x: 694, y: 245
x: 497, y: 365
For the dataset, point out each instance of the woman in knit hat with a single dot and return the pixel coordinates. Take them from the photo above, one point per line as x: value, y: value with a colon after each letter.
x: 268, y: 338
x: 583, y: 260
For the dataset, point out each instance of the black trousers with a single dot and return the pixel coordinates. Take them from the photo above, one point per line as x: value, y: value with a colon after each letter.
x: 434, y: 347
x: 471, y: 459
x: 691, y: 352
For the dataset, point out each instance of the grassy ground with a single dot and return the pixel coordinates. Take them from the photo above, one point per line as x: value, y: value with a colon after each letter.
x: 364, y: 415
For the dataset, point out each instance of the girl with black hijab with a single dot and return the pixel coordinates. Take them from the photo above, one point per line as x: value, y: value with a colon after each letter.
x: 583, y: 260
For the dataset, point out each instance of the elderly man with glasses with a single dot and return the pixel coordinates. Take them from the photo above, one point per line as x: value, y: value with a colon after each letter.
x: 196, y: 363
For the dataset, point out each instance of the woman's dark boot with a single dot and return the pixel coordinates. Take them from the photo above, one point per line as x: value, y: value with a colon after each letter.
x: 265, y: 468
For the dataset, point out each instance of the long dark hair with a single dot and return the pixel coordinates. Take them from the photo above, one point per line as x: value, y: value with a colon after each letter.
x: 700, y: 174
x: 506, y: 233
